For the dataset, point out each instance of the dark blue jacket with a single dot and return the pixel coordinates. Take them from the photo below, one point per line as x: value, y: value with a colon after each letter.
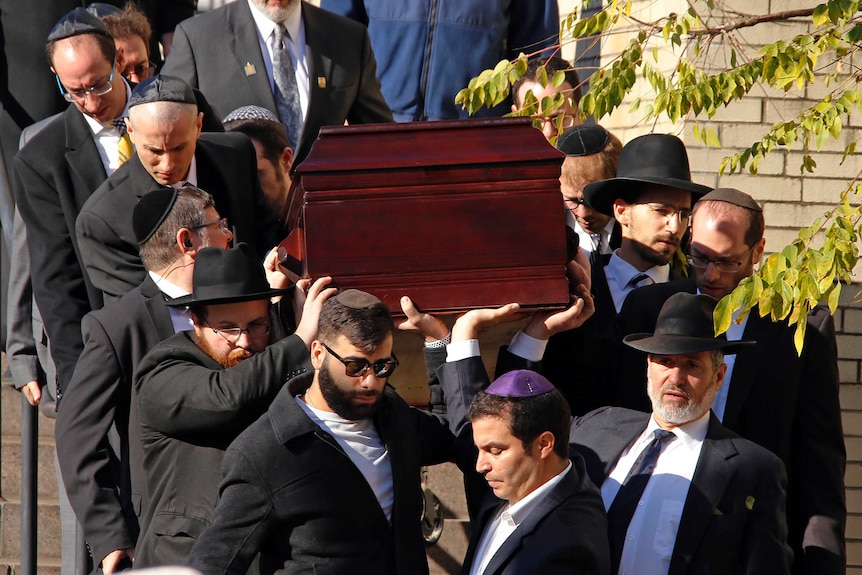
x: 427, y: 50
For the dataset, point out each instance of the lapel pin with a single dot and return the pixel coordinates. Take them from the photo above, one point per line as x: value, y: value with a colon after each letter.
x: 249, y: 69
x: 321, y: 82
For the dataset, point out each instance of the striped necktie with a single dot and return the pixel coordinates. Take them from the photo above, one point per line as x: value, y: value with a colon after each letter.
x: 124, y: 145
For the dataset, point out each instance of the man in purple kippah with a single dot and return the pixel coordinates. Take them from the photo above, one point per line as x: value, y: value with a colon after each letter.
x: 521, y: 429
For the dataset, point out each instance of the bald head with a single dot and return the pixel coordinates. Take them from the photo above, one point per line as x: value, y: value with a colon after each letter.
x: 165, y: 136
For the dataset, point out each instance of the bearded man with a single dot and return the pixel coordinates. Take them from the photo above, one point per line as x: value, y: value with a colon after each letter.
x: 328, y: 480
x: 199, y: 389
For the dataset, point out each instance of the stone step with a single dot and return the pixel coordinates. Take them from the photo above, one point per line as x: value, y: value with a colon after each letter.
x: 47, y: 529
x: 11, y: 566
x: 10, y: 470
x: 10, y: 411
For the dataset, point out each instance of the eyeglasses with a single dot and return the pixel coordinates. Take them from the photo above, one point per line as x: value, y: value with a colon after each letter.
x: 142, y: 70
x: 232, y: 334
x: 723, y: 266
x: 359, y: 367
x: 668, y: 212
x: 222, y: 224
x: 573, y: 204
x: 81, y: 95
x: 565, y: 123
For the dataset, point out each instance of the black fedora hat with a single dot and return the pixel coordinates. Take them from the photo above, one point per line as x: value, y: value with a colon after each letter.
x: 227, y: 276
x: 684, y: 325
x: 658, y: 159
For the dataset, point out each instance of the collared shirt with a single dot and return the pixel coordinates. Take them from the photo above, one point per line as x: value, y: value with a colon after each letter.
x: 586, y: 240
x: 296, y: 46
x: 651, y: 535
x: 620, y: 273
x: 507, y: 520
x: 106, y: 136
x: 362, y: 444
x: 181, y: 317
x: 191, y: 177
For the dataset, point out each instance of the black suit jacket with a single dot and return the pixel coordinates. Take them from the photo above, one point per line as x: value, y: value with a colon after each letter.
x: 190, y: 410
x: 226, y: 168
x: 733, y: 520
x: 104, y: 479
x: 566, y: 533
x: 780, y: 400
x: 218, y: 52
x: 53, y: 176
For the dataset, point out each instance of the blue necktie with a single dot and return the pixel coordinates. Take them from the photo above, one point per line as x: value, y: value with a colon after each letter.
x: 624, y: 505
x: 286, y: 89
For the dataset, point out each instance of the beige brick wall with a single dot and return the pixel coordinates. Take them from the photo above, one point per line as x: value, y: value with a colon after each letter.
x: 789, y: 200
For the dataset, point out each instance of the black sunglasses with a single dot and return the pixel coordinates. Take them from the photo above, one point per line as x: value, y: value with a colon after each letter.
x: 359, y: 367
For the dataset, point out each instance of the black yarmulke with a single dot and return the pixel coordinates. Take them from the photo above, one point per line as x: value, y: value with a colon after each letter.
x: 76, y: 22
x: 162, y: 88
x: 101, y: 9
x: 583, y: 140
x: 732, y: 196
x: 356, y: 299
x: 151, y: 211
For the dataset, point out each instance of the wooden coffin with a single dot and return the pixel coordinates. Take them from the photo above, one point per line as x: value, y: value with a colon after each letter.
x: 457, y: 215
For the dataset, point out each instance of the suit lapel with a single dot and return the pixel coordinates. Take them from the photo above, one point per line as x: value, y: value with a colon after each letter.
x: 319, y: 66
x: 82, y: 156
x: 605, y: 310
x: 245, y: 46
x: 545, y: 506
x: 489, y: 508
x: 746, y: 368
x: 708, y: 485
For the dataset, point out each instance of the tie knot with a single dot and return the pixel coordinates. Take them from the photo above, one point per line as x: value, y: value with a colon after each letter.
x: 278, y: 36
x: 663, y: 436
x: 120, y: 125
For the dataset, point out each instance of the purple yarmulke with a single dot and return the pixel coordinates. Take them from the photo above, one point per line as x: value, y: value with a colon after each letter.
x: 520, y: 383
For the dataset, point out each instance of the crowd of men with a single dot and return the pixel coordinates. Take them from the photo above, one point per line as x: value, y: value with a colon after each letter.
x: 212, y: 413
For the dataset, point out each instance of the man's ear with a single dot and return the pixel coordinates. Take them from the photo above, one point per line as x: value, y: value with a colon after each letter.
x: 285, y: 160
x: 621, y: 211
x: 544, y: 444
x: 318, y: 354
x: 186, y: 241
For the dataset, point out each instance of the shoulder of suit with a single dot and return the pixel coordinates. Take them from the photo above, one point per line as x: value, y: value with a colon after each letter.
x: 611, y: 415
x: 50, y: 133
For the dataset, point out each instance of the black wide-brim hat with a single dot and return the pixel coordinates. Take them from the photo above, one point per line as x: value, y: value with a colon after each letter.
x: 227, y: 276
x: 658, y: 159
x: 684, y: 325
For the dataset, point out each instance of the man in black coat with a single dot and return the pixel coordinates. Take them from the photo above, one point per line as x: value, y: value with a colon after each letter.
x: 165, y: 127
x: 219, y: 52
x: 786, y: 402
x: 60, y: 167
x: 199, y: 389
x: 104, y: 476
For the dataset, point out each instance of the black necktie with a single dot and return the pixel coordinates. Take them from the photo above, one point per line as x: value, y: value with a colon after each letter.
x: 596, y: 255
x: 641, y: 280
x: 626, y: 501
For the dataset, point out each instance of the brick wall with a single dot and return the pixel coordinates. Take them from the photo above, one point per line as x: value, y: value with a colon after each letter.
x: 789, y: 200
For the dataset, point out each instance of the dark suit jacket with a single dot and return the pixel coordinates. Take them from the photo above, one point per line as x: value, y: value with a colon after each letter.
x: 290, y: 492
x: 733, y: 520
x: 104, y: 479
x: 226, y: 168
x: 566, y: 533
x: 786, y: 403
x: 53, y: 176
x: 190, y: 410
x: 213, y: 51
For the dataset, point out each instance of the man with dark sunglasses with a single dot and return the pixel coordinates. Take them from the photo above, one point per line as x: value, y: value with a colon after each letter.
x: 328, y: 480
x: 197, y: 390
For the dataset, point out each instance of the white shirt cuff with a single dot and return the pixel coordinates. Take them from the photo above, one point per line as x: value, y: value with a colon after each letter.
x: 528, y: 347
x: 462, y: 350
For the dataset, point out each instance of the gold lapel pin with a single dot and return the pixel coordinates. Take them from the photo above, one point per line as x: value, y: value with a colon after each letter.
x: 321, y: 82
x: 249, y: 69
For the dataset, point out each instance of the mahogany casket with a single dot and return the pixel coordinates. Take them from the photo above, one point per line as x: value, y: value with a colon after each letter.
x: 457, y: 215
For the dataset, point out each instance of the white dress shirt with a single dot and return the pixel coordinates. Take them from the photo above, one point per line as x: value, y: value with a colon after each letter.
x: 295, y: 45
x: 107, y: 137
x: 651, y: 535
x: 507, y: 520
x: 619, y: 274
x: 585, y: 238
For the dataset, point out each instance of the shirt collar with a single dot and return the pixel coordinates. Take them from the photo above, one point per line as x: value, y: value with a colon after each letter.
x: 522, y: 509
x: 689, y: 433
x: 167, y: 287
x: 265, y: 26
x: 623, y: 272
x: 191, y: 177
x: 97, y: 127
